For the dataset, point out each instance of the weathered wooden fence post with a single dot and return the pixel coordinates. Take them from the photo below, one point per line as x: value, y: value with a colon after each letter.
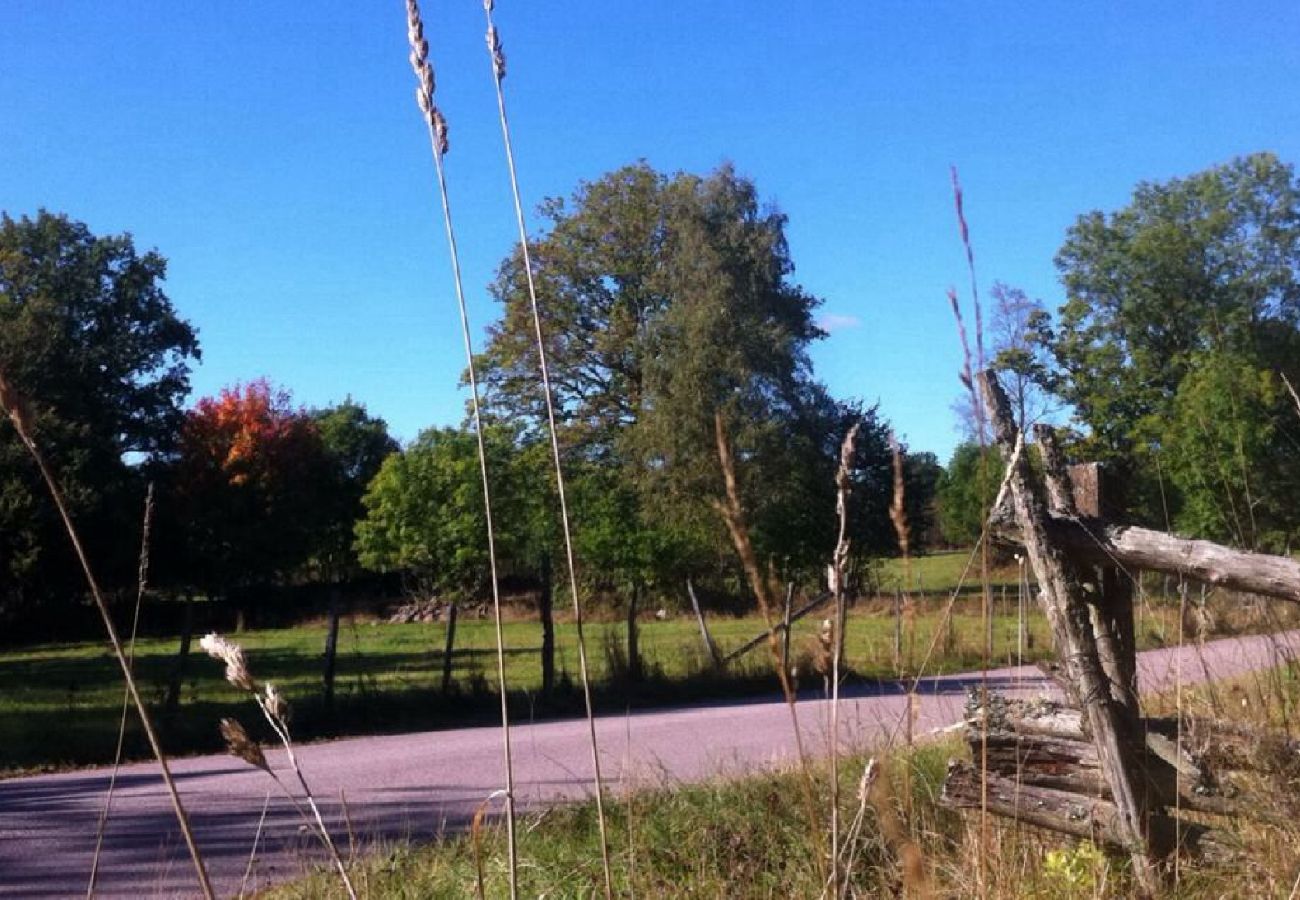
x: 1077, y: 491
x: 546, y: 613
x: 332, y: 646
x: 710, y: 647
x: 449, y: 648
x: 1120, y: 746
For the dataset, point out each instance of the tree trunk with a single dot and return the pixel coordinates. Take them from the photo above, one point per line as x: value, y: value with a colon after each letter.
x: 1113, y: 728
x: 452, y: 608
x: 633, y: 634
x: 172, y: 701
x: 331, y: 648
x: 546, y: 612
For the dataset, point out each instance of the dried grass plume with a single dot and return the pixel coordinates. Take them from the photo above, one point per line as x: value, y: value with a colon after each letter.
x: 233, y: 656
x: 239, y: 744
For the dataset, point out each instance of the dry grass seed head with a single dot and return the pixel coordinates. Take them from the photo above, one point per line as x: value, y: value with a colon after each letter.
x: 498, y: 53
x: 233, y: 656
x: 13, y: 403
x: 239, y: 744
x: 898, y: 506
x: 424, y: 76
x: 275, y: 703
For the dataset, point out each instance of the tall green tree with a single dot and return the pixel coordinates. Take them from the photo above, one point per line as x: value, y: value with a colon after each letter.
x: 667, y: 299
x: 356, y: 445
x: 1232, y: 451
x: 966, y: 491
x: 1210, y: 262
x: 90, y: 338
x: 922, y: 474
x: 1195, y: 277
x: 425, y: 512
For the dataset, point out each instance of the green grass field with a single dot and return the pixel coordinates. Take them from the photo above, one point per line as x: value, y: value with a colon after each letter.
x: 942, y: 573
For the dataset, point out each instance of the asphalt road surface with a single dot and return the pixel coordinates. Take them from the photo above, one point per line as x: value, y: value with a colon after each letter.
x: 417, y: 785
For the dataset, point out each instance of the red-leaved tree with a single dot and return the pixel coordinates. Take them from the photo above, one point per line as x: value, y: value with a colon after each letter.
x: 250, y: 483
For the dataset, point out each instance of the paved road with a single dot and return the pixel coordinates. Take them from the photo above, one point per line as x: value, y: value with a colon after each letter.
x: 416, y: 785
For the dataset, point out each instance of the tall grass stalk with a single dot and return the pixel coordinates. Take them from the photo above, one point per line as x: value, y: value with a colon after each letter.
x: 843, y: 484
x: 498, y: 60
x: 437, y: 126
x: 977, y: 408
x: 15, y: 406
x: 733, y: 515
x: 898, y: 518
x: 1291, y: 390
x: 142, y: 578
x: 252, y: 853
x: 276, y: 712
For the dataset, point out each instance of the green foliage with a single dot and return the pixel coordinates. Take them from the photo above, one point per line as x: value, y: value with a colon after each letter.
x: 922, y: 475
x: 1076, y: 870
x: 966, y: 491
x: 667, y: 300
x: 1234, y: 476
x: 1206, y: 263
x: 356, y: 444
x: 425, y: 511
x: 1177, y: 304
x: 89, y: 337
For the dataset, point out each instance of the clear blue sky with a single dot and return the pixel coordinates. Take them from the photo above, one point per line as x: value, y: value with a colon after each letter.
x: 273, y: 152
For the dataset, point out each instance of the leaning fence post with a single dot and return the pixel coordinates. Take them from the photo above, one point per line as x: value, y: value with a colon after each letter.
x: 709, y: 646
x: 785, y: 625
x: 1119, y: 744
x: 1077, y: 491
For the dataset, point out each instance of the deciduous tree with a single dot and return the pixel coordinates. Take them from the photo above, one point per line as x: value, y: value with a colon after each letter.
x: 356, y: 444
x: 1197, y: 278
x: 90, y: 338
x: 665, y: 299
x: 252, y: 483
x: 966, y: 491
x: 1210, y: 262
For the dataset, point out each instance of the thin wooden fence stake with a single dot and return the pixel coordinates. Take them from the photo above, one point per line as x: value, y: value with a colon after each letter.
x: 785, y: 624
x: 710, y: 647
x: 898, y: 631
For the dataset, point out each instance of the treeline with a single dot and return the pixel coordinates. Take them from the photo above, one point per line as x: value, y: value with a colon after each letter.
x: 667, y: 302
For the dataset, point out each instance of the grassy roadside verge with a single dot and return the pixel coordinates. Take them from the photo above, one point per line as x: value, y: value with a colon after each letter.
x: 748, y: 838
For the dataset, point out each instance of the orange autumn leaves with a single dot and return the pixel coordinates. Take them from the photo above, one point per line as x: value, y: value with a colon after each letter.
x: 249, y: 435
x: 252, y: 487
